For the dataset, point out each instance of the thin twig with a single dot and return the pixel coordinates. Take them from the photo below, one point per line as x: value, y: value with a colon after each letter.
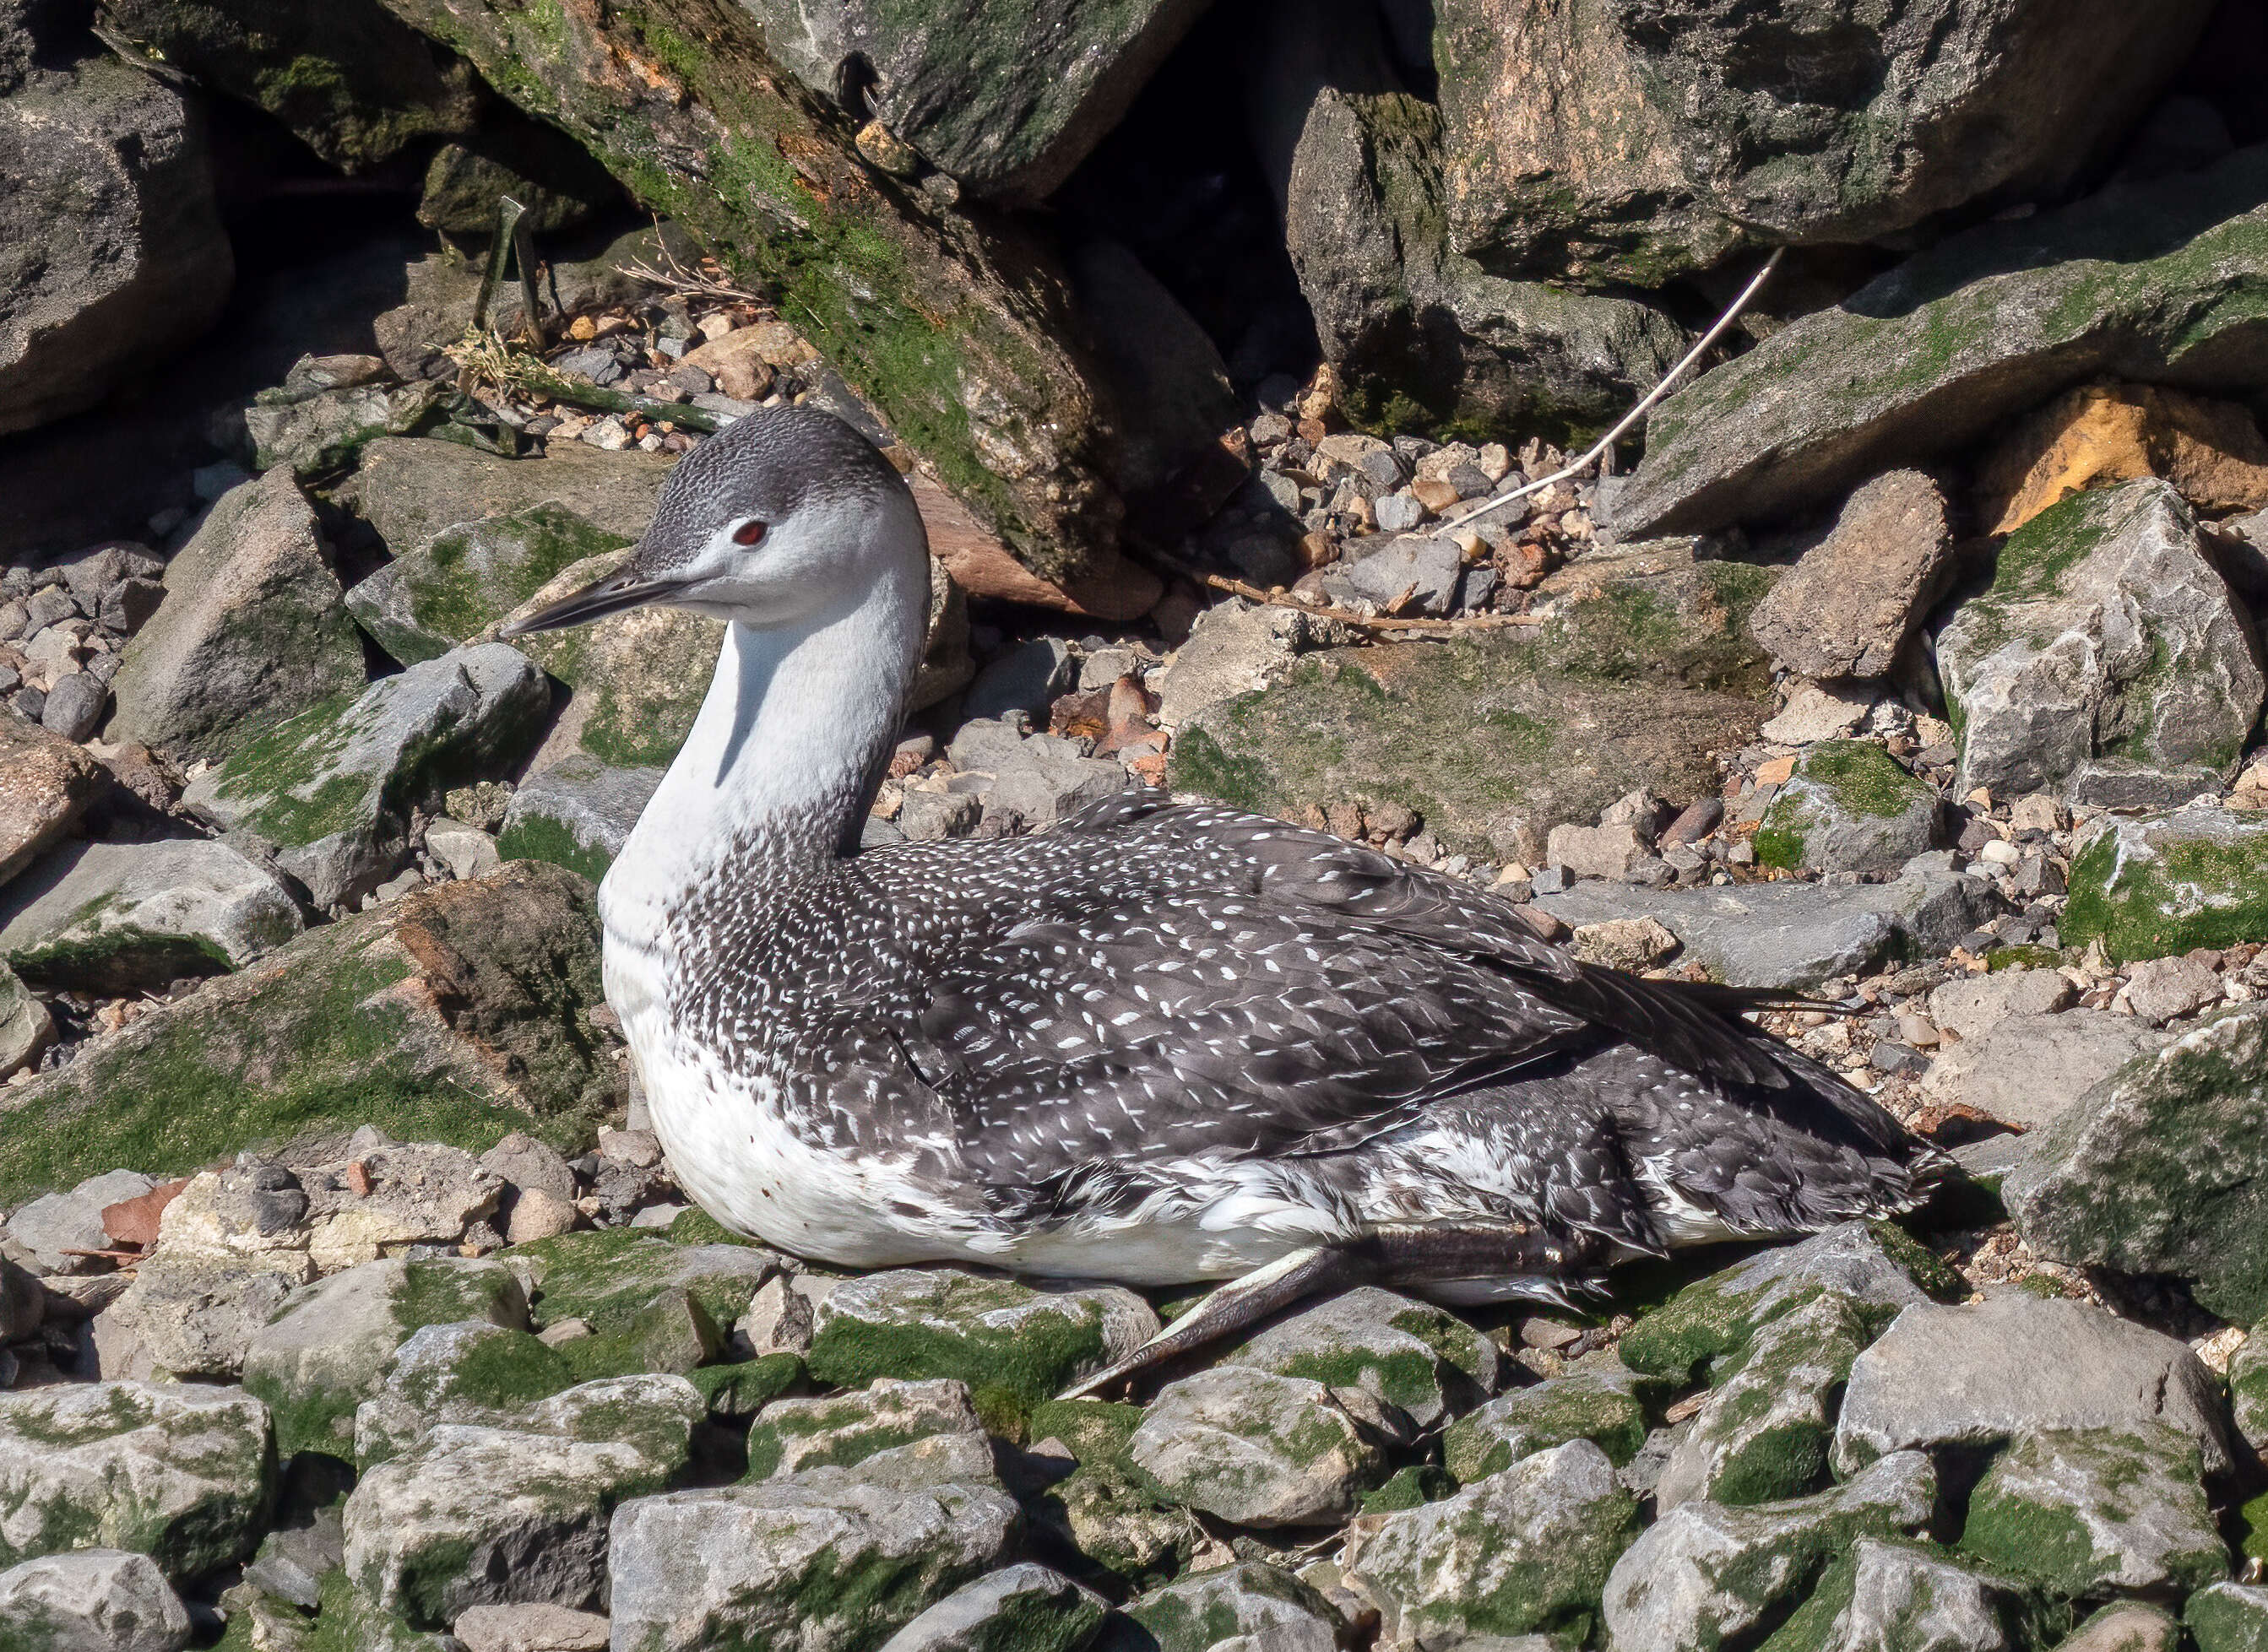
x: 1645, y: 405
x: 1328, y: 611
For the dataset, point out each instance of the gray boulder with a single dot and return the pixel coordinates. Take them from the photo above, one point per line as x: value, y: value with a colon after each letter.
x: 192, y: 1315
x: 1849, y: 807
x: 2108, y: 658
x: 2016, y: 1363
x: 2131, y: 283
x: 27, y: 1029
x: 1424, y: 1363
x: 1025, y: 1605
x: 316, y: 430
x: 468, y: 1371
x: 1414, y: 574
x: 473, y: 1516
x: 2027, y: 1070
x: 838, y: 1430
x: 1971, y: 1006
x: 116, y: 254
x: 56, y: 1227
x: 330, y: 789
x: 2228, y: 1618
x: 98, y: 1600
x: 251, y: 630
x: 127, y: 918
x: 1705, y: 1573
x: 1035, y: 779
x: 1606, y: 1406
x: 1900, y: 1595
x: 1245, y: 1605
x: 178, y: 1472
x: 578, y: 812
x: 1618, y: 143
x: 1852, y: 601
x: 824, y: 1562
x: 1791, y: 933
x: 413, y: 489
x: 2159, y: 1169
x: 1254, y: 1448
x: 1526, y: 1551
x: 2147, y: 885
x: 2087, y: 1511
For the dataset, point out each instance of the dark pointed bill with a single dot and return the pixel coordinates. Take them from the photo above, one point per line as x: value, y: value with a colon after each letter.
x: 617, y: 593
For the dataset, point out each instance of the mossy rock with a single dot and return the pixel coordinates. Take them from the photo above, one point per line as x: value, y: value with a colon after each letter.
x: 347, y: 1621
x: 1419, y: 1359
x: 468, y: 578
x: 463, y: 1372
x: 840, y: 1430
x: 2228, y: 1618
x: 1913, y: 1593
x: 634, y: 1288
x: 1014, y: 1344
x: 1606, y: 1407
x: 738, y: 1393
x: 639, y: 677
x: 1246, y: 1600
x: 577, y: 813
x: 1849, y: 807
x: 2084, y: 1512
x: 345, y: 1027
x: 2151, y: 885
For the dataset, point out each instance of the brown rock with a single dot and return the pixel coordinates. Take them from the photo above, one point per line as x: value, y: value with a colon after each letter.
x: 45, y: 783
x: 737, y: 362
x: 2211, y: 450
x: 1849, y: 604
x: 135, y: 1221
x: 1113, y: 589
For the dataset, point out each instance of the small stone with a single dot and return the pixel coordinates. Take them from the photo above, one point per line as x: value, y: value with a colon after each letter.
x: 1851, y: 602
x: 1627, y: 943
x: 1025, y: 1605
x: 1254, y: 1448
x: 463, y: 851
x: 530, y: 1627
x: 840, y: 1430
x: 2167, y: 988
x: 2126, y: 1625
x: 75, y: 706
x: 1239, y: 1605
x: 1848, y: 806
x: 1818, y: 711
x: 98, y: 1600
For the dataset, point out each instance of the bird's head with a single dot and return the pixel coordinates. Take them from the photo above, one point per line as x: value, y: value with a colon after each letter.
x: 785, y: 517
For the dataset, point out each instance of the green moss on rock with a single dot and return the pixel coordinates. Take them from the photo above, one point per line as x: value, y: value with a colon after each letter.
x: 2150, y: 885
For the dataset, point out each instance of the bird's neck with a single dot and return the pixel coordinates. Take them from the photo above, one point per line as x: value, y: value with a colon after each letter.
x: 781, y: 763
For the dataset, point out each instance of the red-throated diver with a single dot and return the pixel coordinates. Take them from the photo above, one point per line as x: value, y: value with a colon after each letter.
x: 1162, y: 1043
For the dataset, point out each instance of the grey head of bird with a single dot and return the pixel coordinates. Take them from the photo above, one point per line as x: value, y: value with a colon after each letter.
x: 785, y: 517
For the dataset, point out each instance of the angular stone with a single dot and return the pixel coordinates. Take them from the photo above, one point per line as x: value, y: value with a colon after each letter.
x: 456, y: 1013
x: 316, y: 432
x: 824, y: 1562
x: 1972, y: 1005
x: 326, y: 1349
x: 1028, y: 1606
x: 121, y: 252
x: 2087, y: 1511
x: 610, y: 1279
x: 1606, y: 1407
x: 45, y: 783
x: 2027, y: 1070
x: 1718, y: 1319
x: 1102, y: 1511
x: 2147, y: 885
x: 1896, y: 1595
x: 57, y: 1227
x: 1851, y: 603
x: 1764, y: 1433
x: 577, y: 813
x: 2228, y: 1617
x: 1254, y: 1448
x: 2159, y: 1169
x: 1705, y: 1573
x: 253, y: 630
x: 473, y: 1515
x: 1416, y: 574
x: 2211, y: 451
x: 530, y: 1627
x: 99, y: 1600
x: 331, y: 788
x: 1005, y: 1337
x: 1242, y: 1605
x: 1525, y: 1550
x: 465, y: 1371
x: 1424, y: 1363
x: 2016, y: 1363
x: 1593, y: 148
x: 2134, y: 283
x: 123, y: 918
x: 180, y: 1472
x: 1791, y: 933
x: 195, y: 1316
x: 839, y: 1430
x: 2107, y: 651
x: 1849, y: 807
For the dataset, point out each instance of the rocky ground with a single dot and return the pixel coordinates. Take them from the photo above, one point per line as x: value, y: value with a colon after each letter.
x: 1908, y: 660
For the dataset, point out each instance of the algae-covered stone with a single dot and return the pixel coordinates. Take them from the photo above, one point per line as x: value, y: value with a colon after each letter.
x: 2153, y: 884
x: 1524, y: 1551
x: 2108, y: 657
x: 413, y: 490
x: 177, y: 1472
x: 1884, y: 1594
x: 2085, y: 1511
x: 477, y: 1515
x: 469, y: 576
x: 1764, y: 1433
x: 2228, y: 1617
x: 2248, y: 1389
x: 738, y: 1391
x: 326, y: 1349
x: 1254, y: 1448
x: 2147, y: 281
x: 1606, y: 1407
x: 2017, y: 1363
x: 351, y: 1620
x: 457, y: 1014
x: 2162, y: 1168
x: 1425, y: 1362
x: 316, y: 433
x: 100, y: 1600
x: 331, y: 788
x: 1101, y: 1512
x: 1705, y: 1573
x: 129, y: 918
x: 1879, y: 1267
x: 1021, y: 1608
x: 841, y: 1429
x: 1013, y: 1343
x: 823, y: 1563
x: 610, y: 1277
x: 577, y: 813
x: 1242, y: 1605
x: 464, y: 1371
x: 1849, y: 807
x: 253, y: 629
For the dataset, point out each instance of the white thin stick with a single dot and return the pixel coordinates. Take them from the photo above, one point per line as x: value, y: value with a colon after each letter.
x: 1645, y: 405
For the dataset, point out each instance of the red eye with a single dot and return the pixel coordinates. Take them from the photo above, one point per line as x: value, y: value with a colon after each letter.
x: 749, y: 532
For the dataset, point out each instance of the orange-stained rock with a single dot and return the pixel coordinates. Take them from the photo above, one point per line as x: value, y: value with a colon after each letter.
x: 2210, y: 450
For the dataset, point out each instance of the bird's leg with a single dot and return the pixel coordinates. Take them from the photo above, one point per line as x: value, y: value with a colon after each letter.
x: 1242, y: 1301
x: 1416, y: 1254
